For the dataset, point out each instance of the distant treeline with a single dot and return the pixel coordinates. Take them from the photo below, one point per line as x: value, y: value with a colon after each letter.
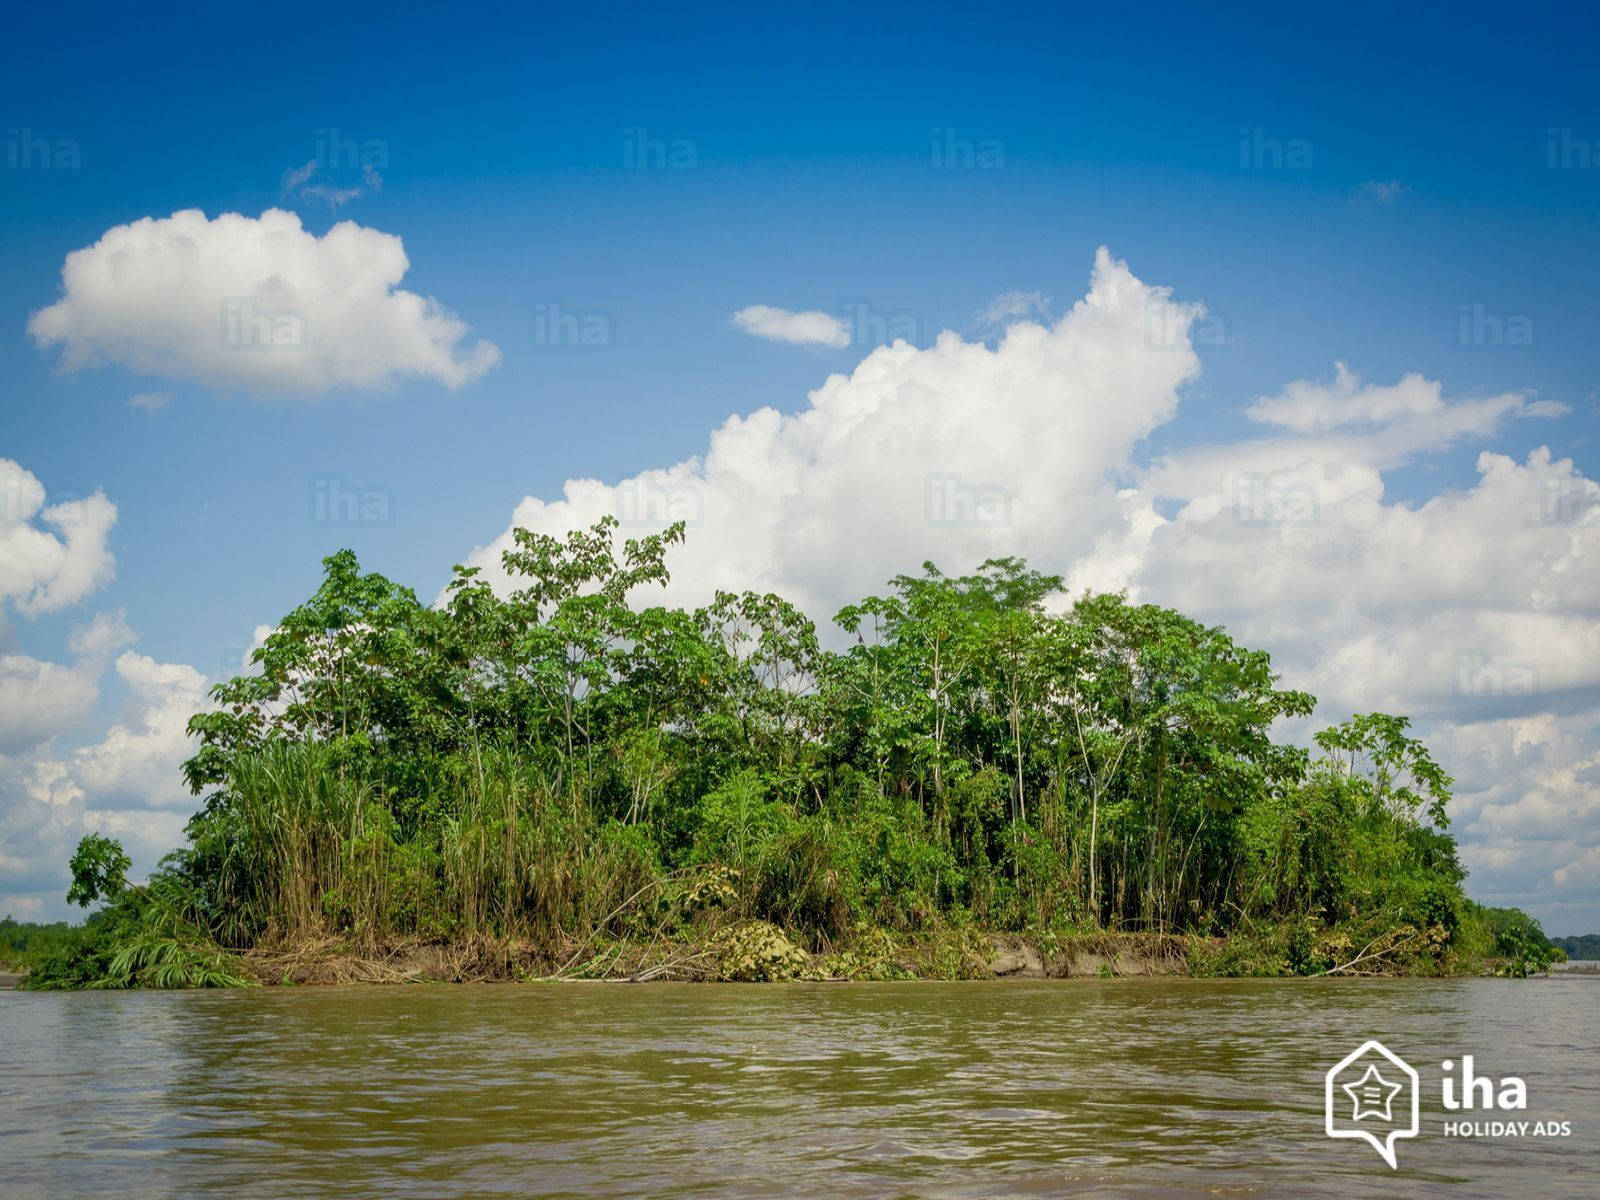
x: 23, y: 941
x: 563, y: 766
x: 1585, y: 946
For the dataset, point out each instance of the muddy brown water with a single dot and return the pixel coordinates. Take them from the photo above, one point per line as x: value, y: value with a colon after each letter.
x: 1150, y: 1087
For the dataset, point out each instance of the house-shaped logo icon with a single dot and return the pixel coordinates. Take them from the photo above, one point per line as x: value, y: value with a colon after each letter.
x: 1372, y: 1093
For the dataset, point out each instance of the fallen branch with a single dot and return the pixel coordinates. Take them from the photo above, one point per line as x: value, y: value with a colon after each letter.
x: 1368, y: 954
x: 611, y: 916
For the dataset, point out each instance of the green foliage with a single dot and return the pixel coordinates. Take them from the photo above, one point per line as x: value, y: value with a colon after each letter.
x: 562, y: 764
x: 735, y: 820
x: 153, y: 960
x: 146, y: 937
x: 1518, y: 945
x: 99, y: 870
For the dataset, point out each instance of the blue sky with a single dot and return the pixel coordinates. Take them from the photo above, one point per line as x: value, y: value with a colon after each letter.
x: 1404, y: 192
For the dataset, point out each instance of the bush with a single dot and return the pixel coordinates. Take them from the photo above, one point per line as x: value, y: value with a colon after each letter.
x: 756, y: 952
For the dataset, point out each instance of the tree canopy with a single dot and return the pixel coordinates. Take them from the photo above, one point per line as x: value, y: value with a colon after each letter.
x: 983, y: 749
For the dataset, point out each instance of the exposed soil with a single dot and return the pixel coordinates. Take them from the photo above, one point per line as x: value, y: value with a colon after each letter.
x: 1091, y: 955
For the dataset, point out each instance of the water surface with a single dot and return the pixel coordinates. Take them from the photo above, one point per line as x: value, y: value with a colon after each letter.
x: 1082, y: 1087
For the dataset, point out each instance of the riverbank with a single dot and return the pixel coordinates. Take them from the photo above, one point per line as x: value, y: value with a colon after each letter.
x: 756, y: 951
x: 119, y: 952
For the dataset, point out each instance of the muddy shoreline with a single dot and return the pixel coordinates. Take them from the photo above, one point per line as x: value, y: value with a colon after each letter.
x: 994, y: 956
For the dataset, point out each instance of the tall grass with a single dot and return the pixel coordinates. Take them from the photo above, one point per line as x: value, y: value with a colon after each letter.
x: 318, y: 847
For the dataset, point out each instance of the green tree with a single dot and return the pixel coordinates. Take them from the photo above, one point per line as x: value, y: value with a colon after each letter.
x: 99, y: 871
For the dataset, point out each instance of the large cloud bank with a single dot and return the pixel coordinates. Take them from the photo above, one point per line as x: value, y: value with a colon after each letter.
x: 956, y: 452
x: 124, y: 781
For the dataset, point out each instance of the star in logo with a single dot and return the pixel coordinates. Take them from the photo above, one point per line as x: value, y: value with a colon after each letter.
x: 1372, y: 1094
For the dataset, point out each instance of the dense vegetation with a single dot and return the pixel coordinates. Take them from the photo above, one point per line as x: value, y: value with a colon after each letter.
x: 567, y: 771
x: 24, y: 942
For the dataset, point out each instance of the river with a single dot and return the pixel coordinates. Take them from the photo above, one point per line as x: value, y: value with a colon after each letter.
x: 1128, y: 1088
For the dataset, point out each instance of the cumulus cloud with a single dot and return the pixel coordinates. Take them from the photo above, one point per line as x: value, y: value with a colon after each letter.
x: 126, y: 784
x: 136, y: 764
x: 1474, y: 603
x: 39, y: 699
x: 254, y: 303
x: 1308, y: 407
x: 1525, y: 810
x: 51, y: 556
x: 43, y: 815
x: 957, y: 451
x: 1474, y: 609
x: 800, y: 328
x: 41, y: 571
x: 150, y: 401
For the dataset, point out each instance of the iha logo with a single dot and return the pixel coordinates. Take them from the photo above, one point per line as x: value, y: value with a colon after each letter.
x: 1497, y: 1095
x: 1373, y: 1094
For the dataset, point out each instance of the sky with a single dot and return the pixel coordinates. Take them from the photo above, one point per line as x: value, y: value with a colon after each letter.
x: 1287, y: 321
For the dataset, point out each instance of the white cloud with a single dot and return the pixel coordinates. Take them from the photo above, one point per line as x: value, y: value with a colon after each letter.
x: 957, y: 451
x: 1012, y: 305
x: 127, y: 785
x: 39, y: 699
x: 41, y: 571
x: 1306, y: 406
x: 1526, y: 813
x: 801, y: 328
x: 258, y: 304
x: 102, y: 637
x: 150, y: 401
x: 136, y: 764
x: 1474, y: 610
x: 54, y: 555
